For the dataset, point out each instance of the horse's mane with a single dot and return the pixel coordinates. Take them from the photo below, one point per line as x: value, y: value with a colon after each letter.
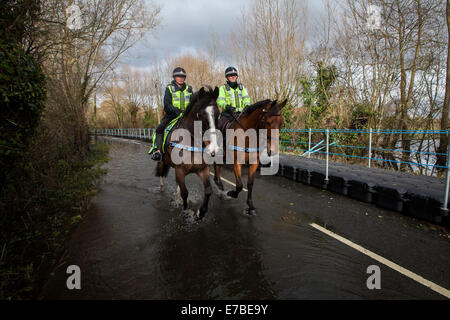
x: 194, y: 98
x: 249, y: 109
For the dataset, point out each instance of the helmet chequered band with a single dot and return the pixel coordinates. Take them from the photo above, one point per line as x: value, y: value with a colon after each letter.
x: 231, y: 72
x: 179, y: 73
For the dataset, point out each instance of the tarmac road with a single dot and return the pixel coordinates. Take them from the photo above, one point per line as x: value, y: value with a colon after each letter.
x: 137, y: 243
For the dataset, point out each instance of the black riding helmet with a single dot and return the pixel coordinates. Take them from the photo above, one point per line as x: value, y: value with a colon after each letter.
x: 179, y: 72
x: 231, y: 71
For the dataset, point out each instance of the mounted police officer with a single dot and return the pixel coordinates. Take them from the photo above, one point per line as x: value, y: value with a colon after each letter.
x: 176, y: 99
x: 233, y: 97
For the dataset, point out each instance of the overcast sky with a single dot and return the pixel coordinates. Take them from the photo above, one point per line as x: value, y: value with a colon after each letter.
x: 186, y: 26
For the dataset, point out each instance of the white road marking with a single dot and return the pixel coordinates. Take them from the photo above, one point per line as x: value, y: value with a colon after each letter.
x: 433, y: 286
x: 427, y: 283
x: 228, y: 181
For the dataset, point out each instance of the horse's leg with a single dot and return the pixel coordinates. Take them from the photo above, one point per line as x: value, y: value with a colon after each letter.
x: 251, y: 210
x: 237, y: 167
x: 178, y: 198
x: 217, y: 179
x: 204, y: 175
x: 179, y: 174
x: 162, y: 186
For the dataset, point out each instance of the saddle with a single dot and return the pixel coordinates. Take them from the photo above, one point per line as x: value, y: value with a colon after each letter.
x: 225, y: 123
x: 167, y: 131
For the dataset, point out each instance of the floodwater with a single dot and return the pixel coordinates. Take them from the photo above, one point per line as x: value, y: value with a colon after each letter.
x: 137, y: 243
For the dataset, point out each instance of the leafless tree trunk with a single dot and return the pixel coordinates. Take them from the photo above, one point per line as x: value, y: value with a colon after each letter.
x: 443, y: 142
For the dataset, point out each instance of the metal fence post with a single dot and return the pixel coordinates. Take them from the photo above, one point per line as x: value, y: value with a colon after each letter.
x: 309, y: 143
x: 326, y: 170
x: 447, y: 178
x: 370, y: 145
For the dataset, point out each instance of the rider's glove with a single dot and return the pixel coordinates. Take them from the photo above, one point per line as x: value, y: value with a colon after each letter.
x: 229, y: 109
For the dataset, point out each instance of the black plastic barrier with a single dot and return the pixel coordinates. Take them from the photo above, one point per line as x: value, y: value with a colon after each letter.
x: 413, y: 195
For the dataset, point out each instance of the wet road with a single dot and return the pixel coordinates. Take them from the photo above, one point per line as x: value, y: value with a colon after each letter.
x: 136, y: 243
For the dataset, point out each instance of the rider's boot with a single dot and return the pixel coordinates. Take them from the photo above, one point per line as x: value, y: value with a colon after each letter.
x: 156, y: 155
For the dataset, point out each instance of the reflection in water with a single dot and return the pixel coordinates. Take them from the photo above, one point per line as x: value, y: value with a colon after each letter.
x: 135, y: 244
x: 209, y: 263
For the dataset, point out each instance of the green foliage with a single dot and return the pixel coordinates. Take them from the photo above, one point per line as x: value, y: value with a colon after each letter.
x: 316, y: 93
x: 22, y: 95
x: 149, y: 120
x: 361, y: 115
x: 35, y: 218
x: 45, y: 186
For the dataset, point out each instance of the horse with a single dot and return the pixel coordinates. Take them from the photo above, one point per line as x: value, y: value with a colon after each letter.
x: 264, y: 114
x: 202, y: 107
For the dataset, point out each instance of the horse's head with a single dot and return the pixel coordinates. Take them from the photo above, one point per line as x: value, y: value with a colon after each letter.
x: 272, y: 120
x: 207, y: 111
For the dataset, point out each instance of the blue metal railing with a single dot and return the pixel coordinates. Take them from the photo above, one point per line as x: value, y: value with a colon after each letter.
x: 370, y: 148
x: 317, y: 147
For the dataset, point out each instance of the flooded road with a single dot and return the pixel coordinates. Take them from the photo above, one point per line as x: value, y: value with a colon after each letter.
x: 137, y: 243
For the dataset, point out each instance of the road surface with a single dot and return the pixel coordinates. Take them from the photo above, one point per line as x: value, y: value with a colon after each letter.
x: 305, y: 243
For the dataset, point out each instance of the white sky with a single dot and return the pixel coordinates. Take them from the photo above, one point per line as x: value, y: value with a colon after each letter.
x: 186, y: 26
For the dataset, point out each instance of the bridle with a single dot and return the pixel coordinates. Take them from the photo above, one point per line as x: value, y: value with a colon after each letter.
x: 264, y: 118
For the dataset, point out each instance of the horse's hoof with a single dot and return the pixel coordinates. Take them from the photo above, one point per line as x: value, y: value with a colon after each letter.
x: 250, y: 212
x: 198, y: 216
x: 232, y: 193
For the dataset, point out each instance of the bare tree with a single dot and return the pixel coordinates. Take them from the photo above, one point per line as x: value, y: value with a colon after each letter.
x: 79, y: 59
x: 443, y: 143
x: 392, y: 68
x: 116, y: 101
x: 269, y: 44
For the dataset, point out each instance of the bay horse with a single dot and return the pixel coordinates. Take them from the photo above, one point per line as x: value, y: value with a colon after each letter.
x: 202, y: 107
x: 264, y: 114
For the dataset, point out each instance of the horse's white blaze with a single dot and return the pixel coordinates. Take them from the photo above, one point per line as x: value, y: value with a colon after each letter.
x: 213, y: 146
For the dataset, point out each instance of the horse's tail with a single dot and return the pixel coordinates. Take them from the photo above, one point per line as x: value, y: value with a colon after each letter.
x: 162, y: 169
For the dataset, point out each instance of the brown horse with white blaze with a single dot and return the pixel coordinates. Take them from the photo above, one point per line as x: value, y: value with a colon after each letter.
x: 203, y: 107
x: 261, y: 115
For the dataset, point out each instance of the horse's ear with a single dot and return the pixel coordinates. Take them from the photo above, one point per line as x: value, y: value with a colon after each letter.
x: 274, y: 103
x: 216, y: 93
x: 201, y: 92
x: 282, y: 104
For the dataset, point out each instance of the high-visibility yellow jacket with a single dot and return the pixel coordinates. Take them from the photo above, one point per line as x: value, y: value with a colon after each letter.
x: 237, y: 98
x: 176, y: 97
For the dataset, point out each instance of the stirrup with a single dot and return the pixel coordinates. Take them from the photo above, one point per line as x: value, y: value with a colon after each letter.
x: 156, y: 155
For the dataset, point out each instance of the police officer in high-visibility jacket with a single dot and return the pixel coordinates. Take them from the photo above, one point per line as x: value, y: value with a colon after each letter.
x: 233, y: 97
x: 176, y: 99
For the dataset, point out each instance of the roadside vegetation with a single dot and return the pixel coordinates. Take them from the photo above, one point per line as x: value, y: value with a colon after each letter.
x: 49, y: 167
x: 39, y: 210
